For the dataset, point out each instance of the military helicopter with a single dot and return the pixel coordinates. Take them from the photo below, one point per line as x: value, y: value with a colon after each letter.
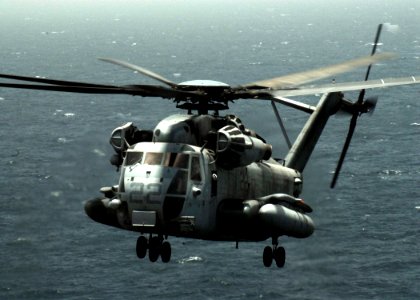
x: 206, y: 176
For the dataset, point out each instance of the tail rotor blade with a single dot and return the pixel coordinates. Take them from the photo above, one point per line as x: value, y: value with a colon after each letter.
x: 375, y: 44
x: 353, y: 123
x: 378, y: 35
x: 370, y: 104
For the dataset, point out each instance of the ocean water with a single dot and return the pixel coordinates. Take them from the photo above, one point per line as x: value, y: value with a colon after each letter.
x: 54, y: 148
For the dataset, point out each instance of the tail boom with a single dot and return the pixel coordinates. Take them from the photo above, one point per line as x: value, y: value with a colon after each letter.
x: 304, y: 145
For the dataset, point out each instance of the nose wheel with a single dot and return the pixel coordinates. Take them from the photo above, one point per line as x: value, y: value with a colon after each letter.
x: 278, y: 254
x: 156, y: 246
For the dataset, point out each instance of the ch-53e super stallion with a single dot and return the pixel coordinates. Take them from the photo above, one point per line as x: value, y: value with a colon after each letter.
x: 206, y: 176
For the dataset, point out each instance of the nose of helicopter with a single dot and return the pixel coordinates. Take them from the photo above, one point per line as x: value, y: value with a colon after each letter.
x: 154, y: 189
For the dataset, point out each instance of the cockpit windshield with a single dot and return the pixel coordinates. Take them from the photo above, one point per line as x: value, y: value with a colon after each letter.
x: 153, y: 158
x: 133, y: 157
x: 169, y: 159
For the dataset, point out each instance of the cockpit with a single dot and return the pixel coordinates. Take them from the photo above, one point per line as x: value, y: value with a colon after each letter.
x: 160, y: 176
x: 169, y: 159
x: 164, y: 160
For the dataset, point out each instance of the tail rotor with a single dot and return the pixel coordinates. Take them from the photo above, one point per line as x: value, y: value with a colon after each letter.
x: 358, y: 108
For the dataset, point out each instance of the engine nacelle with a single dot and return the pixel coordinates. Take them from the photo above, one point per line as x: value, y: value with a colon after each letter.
x: 124, y: 136
x: 236, y: 149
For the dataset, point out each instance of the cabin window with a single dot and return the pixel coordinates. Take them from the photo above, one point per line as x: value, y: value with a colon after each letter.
x: 195, y: 169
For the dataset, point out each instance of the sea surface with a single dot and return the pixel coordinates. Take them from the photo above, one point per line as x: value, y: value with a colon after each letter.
x: 55, y: 148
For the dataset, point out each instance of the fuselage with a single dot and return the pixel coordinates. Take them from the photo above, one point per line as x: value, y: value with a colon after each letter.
x: 176, y: 189
x: 201, y: 176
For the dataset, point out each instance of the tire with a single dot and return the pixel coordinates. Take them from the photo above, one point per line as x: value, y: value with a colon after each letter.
x: 141, y: 247
x: 280, y: 256
x: 166, y: 252
x: 154, y: 249
x: 268, y: 256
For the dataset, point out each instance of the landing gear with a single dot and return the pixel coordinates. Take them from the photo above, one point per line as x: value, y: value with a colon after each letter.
x: 156, y: 247
x: 165, y: 252
x: 279, y: 255
x: 141, y: 247
x: 268, y: 256
x: 276, y: 253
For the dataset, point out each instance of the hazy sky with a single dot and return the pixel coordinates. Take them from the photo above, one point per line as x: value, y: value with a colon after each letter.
x: 191, y: 27
x: 159, y: 9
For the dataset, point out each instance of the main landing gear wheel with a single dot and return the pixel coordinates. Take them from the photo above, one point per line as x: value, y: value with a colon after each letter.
x: 278, y: 254
x: 268, y: 256
x: 166, y: 252
x: 141, y: 247
x: 156, y: 247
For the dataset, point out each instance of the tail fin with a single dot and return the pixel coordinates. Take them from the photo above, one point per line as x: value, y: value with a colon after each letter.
x: 302, y: 148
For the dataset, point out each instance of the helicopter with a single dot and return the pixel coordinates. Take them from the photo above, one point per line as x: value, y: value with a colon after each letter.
x: 206, y: 176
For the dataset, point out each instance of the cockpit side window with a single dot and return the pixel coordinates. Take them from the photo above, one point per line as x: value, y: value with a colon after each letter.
x: 169, y: 159
x: 133, y: 158
x: 176, y: 160
x: 179, y: 182
x: 181, y: 161
x: 153, y: 158
x: 195, y: 174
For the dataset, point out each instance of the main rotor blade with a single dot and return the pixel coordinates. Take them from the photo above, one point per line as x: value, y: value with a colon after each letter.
x: 140, y: 70
x: 134, y: 90
x: 66, y: 88
x: 347, y: 86
x: 353, y: 123
x: 284, y: 101
x: 50, y: 81
x: 297, y: 79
